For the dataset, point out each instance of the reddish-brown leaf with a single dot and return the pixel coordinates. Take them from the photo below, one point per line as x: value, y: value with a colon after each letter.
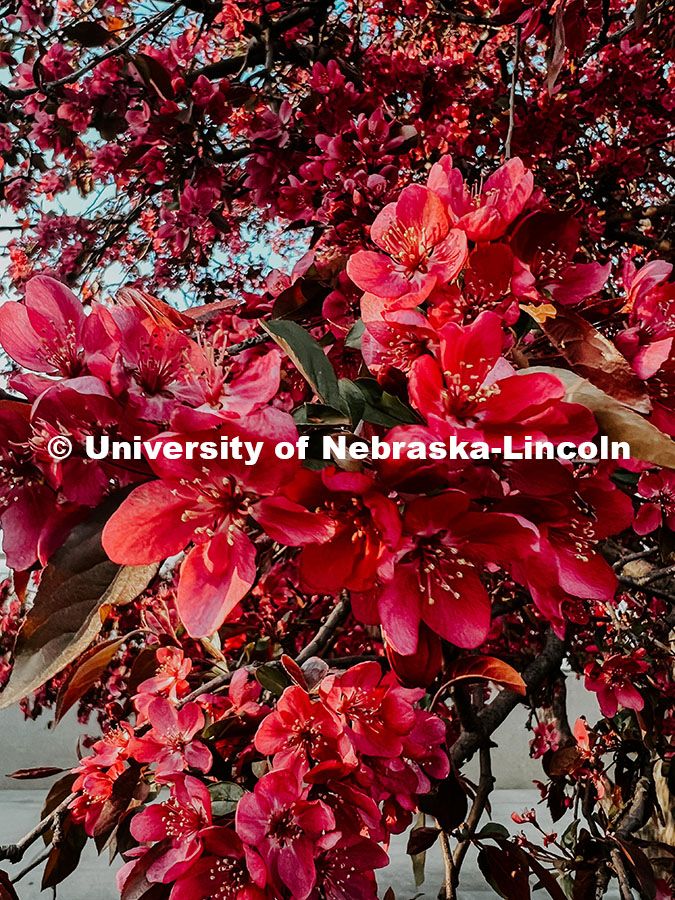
x: 563, y: 761
x: 596, y: 358
x: 641, y: 869
x: 38, y: 772
x: 506, y: 872
x: 487, y: 668
x: 556, y: 50
x: 7, y: 891
x: 64, y: 858
x: 64, y: 620
x: 85, y: 674
x: 294, y: 671
x: 420, y: 839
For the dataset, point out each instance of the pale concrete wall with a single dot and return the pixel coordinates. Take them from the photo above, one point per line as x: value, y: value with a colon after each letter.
x: 27, y: 744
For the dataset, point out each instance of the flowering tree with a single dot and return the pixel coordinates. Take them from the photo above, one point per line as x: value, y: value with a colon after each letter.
x: 417, y: 223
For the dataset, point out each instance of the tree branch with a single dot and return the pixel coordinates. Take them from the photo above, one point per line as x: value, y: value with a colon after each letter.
x: 72, y: 77
x: 485, y: 785
x: 15, y: 852
x: 326, y: 633
x: 492, y: 716
x: 618, y: 36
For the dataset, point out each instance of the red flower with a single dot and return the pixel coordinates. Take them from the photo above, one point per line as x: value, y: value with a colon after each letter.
x: 378, y: 711
x: 572, y: 516
x: 168, y: 682
x: 302, y: 725
x: 420, y: 669
x: 209, y: 505
x: 659, y: 489
x: 436, y: 579
x: 393, y: 337
x: 346, y: 871
x: 183, y: 820
x: 29, y: 514
x: 97, y: 774
x: 613, y: 682
x: 83, y: 407
x: 154, y: 365
x: 486, y: 215
x: 232, y: 394
x: 546, y: 243
x: 364, y: 523
x: 472, y: 392
x: 170, y: 742
x: 546, y: 737
x: 287, y: 829
x: 640, y: 282
x: 220, y: 874
x: 46, y: 333
x: 422, y: 249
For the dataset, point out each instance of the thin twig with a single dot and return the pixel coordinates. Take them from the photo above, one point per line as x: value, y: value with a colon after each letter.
x: 659, y: 573
x: 447, y: 866
x: 29, y: 868
x: 512, y: 93
x: 623, y: 560
x: 485, y: 784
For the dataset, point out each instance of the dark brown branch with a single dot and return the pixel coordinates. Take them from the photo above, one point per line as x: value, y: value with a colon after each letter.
x: 15, y: 852
x: 485, y: 785
x: 492, y: 716
x: 240, y: 346
x: 326, y: 634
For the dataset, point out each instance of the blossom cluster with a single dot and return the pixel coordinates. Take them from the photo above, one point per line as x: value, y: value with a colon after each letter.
x: 452, y: 310
x: 343, y: 764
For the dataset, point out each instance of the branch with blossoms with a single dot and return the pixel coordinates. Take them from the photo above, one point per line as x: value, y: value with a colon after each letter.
x: 292, y: 659
x: 173, y: 110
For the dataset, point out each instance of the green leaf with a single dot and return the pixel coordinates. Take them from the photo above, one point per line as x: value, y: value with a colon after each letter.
x: 353, y: 400
x: 569, y: 838
x: 308, y: 358
x: 353, y: 339
x: 381, y: 408
x: 493, y: 830
x: 272, y: 678
x: 319, y: 414
x: 224, y: 797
